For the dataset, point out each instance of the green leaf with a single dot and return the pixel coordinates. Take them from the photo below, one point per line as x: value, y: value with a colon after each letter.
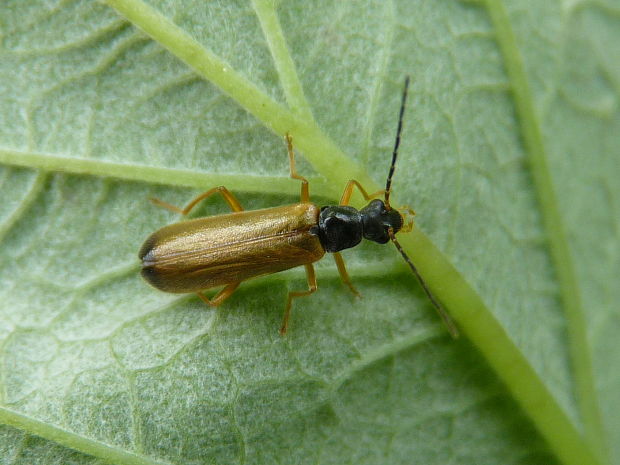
x: 509, y: 156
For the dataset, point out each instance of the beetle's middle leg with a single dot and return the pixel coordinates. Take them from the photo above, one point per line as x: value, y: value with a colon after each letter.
x: 294, y: 294
x: 348, y: 191
x: 305, y: 194
x: 231, y: 200
x: 220, y: 296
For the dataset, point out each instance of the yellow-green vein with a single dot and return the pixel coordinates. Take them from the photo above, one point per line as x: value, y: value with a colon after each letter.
x: 319, y: 149
x: 558, y: 243
x: 72, y: 440
x: 153, y: 174
x: 265, y: 10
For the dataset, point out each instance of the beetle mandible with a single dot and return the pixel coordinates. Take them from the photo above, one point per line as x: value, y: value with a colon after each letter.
x: 224, y: 250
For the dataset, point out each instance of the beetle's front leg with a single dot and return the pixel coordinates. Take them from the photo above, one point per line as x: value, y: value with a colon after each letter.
x: 344, y: 276
x: 348, y: 191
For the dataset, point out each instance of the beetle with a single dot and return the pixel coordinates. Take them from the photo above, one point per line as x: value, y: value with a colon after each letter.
x: 224, y: 250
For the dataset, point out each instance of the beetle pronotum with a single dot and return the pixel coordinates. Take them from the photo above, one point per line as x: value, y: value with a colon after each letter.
x: 225, y: 250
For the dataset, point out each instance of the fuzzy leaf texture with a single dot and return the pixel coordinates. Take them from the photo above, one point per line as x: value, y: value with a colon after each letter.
x: 509, y: 157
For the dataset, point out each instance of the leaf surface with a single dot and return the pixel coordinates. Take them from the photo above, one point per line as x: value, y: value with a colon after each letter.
x: 509, y: 156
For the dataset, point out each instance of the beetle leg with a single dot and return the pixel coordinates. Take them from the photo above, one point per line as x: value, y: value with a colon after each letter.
x: 348, y: 191
x: 305, y: 194
x: 292, y: 295
x: 220, y: 296
x: 231, y: 200
x: 343, y: 273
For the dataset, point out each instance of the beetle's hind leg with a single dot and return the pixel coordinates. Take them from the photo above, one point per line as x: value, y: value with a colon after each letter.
x: 220, y: 296
x: 231, y: 200
x: 294, y: 294
x: 305, y: 193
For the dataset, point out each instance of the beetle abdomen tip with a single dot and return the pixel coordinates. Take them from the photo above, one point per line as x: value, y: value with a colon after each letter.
x: 146, y: 249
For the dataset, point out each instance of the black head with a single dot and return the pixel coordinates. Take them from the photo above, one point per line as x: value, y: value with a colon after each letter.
x: 377, y: 220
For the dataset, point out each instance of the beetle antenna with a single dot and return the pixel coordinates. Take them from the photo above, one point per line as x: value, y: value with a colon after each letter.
x: 388, y: 184
x: 450, y: 325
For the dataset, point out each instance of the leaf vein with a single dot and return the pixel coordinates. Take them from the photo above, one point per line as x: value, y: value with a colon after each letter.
x: 554, y: 225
